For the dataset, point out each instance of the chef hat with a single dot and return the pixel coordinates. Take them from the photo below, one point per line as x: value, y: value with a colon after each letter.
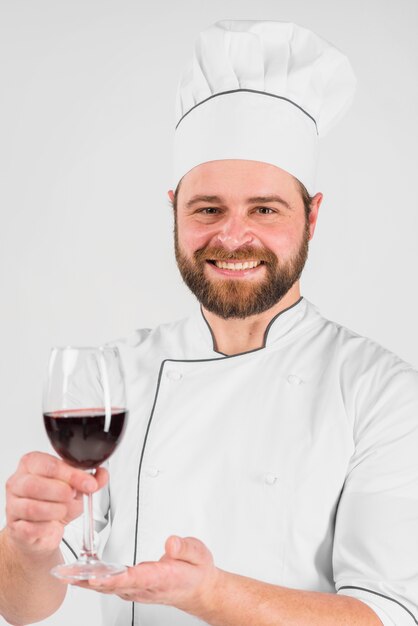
x: 260, y: 91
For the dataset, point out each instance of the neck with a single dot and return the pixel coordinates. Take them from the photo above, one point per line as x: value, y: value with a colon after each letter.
x: 234, y: 336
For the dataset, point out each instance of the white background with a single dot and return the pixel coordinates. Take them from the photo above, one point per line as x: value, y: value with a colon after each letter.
x: 86, y: 120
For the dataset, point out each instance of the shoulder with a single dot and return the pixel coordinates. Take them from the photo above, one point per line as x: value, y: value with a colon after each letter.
x: 360, y: 352
x: 376, y: 385
x: 162, y: 336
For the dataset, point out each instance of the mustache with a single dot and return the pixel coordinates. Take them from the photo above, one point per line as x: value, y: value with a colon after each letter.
x: 245, y: 253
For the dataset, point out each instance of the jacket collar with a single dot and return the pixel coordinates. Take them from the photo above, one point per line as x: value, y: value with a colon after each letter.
x: 278, y: 328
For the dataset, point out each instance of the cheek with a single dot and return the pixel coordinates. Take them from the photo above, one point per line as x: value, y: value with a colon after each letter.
x: 194, y: 237
x: 283, y: 241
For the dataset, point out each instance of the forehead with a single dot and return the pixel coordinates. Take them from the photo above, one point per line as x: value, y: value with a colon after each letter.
x: 236, y: 179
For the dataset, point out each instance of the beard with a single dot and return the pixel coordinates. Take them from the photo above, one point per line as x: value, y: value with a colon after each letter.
x: 240, y: 298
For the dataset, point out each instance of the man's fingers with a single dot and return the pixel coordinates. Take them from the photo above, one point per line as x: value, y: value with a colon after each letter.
x: 102, y: 477
x: 141, y: 581
x: 45, y: 488
x: 46, y: 465
x: 42, y: 496
x: 187, y: 549
x: 36, y: 510
x: 41, y: 488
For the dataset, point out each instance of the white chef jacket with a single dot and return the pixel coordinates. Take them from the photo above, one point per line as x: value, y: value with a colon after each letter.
x: 296, y: 463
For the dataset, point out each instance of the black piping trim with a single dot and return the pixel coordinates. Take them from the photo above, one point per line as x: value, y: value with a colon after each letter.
x: 266, y: 332
x: 211, y: 332
x: 69, y: 547
x: 139, y: 475
x: 376, y: 593
x: 264, y: 93
x: 226, y: 356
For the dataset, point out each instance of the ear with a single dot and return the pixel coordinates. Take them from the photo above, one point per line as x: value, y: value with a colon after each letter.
x: 313, y: 215
x: 171, y: 195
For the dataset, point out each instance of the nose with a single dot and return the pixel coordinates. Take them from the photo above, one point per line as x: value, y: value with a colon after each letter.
x: 234, y: 233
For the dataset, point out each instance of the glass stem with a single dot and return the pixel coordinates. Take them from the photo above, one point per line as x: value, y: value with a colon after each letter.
x: 88, y: 527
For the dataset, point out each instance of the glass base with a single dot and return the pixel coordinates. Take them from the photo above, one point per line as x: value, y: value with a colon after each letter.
x: 86, y: 569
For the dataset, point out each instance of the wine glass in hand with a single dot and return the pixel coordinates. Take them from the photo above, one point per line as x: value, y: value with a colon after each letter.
x: 84, y: 411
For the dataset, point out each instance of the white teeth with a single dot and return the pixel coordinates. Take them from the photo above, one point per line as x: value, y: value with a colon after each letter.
x: 237, y: 266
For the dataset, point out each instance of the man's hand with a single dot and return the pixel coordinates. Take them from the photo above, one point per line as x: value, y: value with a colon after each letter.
x: 184, y: 577
x: 42, y: 497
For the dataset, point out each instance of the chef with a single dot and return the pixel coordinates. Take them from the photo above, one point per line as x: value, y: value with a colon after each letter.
x: 269, y: 472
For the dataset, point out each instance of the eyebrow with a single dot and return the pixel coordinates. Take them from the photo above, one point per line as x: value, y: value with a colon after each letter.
x: 255, y: 199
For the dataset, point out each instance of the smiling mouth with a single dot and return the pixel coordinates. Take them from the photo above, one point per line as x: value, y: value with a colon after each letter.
x: 228, y: 265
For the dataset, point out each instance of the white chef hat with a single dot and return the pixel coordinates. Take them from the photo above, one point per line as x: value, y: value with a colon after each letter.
x: 260, y: 91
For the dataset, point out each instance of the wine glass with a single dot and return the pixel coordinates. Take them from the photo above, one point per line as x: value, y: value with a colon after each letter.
x: 84, y: 410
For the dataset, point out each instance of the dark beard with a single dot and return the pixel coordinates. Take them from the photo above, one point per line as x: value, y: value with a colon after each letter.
x: 229, y: 298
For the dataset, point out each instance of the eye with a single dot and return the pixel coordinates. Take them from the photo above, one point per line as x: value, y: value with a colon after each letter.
x: 210, y: 210
x: 265, y: 210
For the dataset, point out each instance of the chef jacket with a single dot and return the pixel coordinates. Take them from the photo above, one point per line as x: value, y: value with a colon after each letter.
x: 295, y: 463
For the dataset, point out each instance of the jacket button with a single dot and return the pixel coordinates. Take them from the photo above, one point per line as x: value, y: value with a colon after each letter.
x: 152, y: 472
x: 292, y: 379
x: 270, y: 479
x: 174, y: 375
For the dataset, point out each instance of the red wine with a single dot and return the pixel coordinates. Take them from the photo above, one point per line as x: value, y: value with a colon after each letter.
x: 79, y: 436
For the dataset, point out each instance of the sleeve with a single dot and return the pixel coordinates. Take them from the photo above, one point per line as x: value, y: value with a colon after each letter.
x: 375, y: 555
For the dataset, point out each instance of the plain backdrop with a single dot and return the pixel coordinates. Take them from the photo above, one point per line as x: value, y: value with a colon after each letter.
x: 87, y: 93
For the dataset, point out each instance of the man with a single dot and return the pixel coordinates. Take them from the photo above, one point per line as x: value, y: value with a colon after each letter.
x: 272, y: 452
